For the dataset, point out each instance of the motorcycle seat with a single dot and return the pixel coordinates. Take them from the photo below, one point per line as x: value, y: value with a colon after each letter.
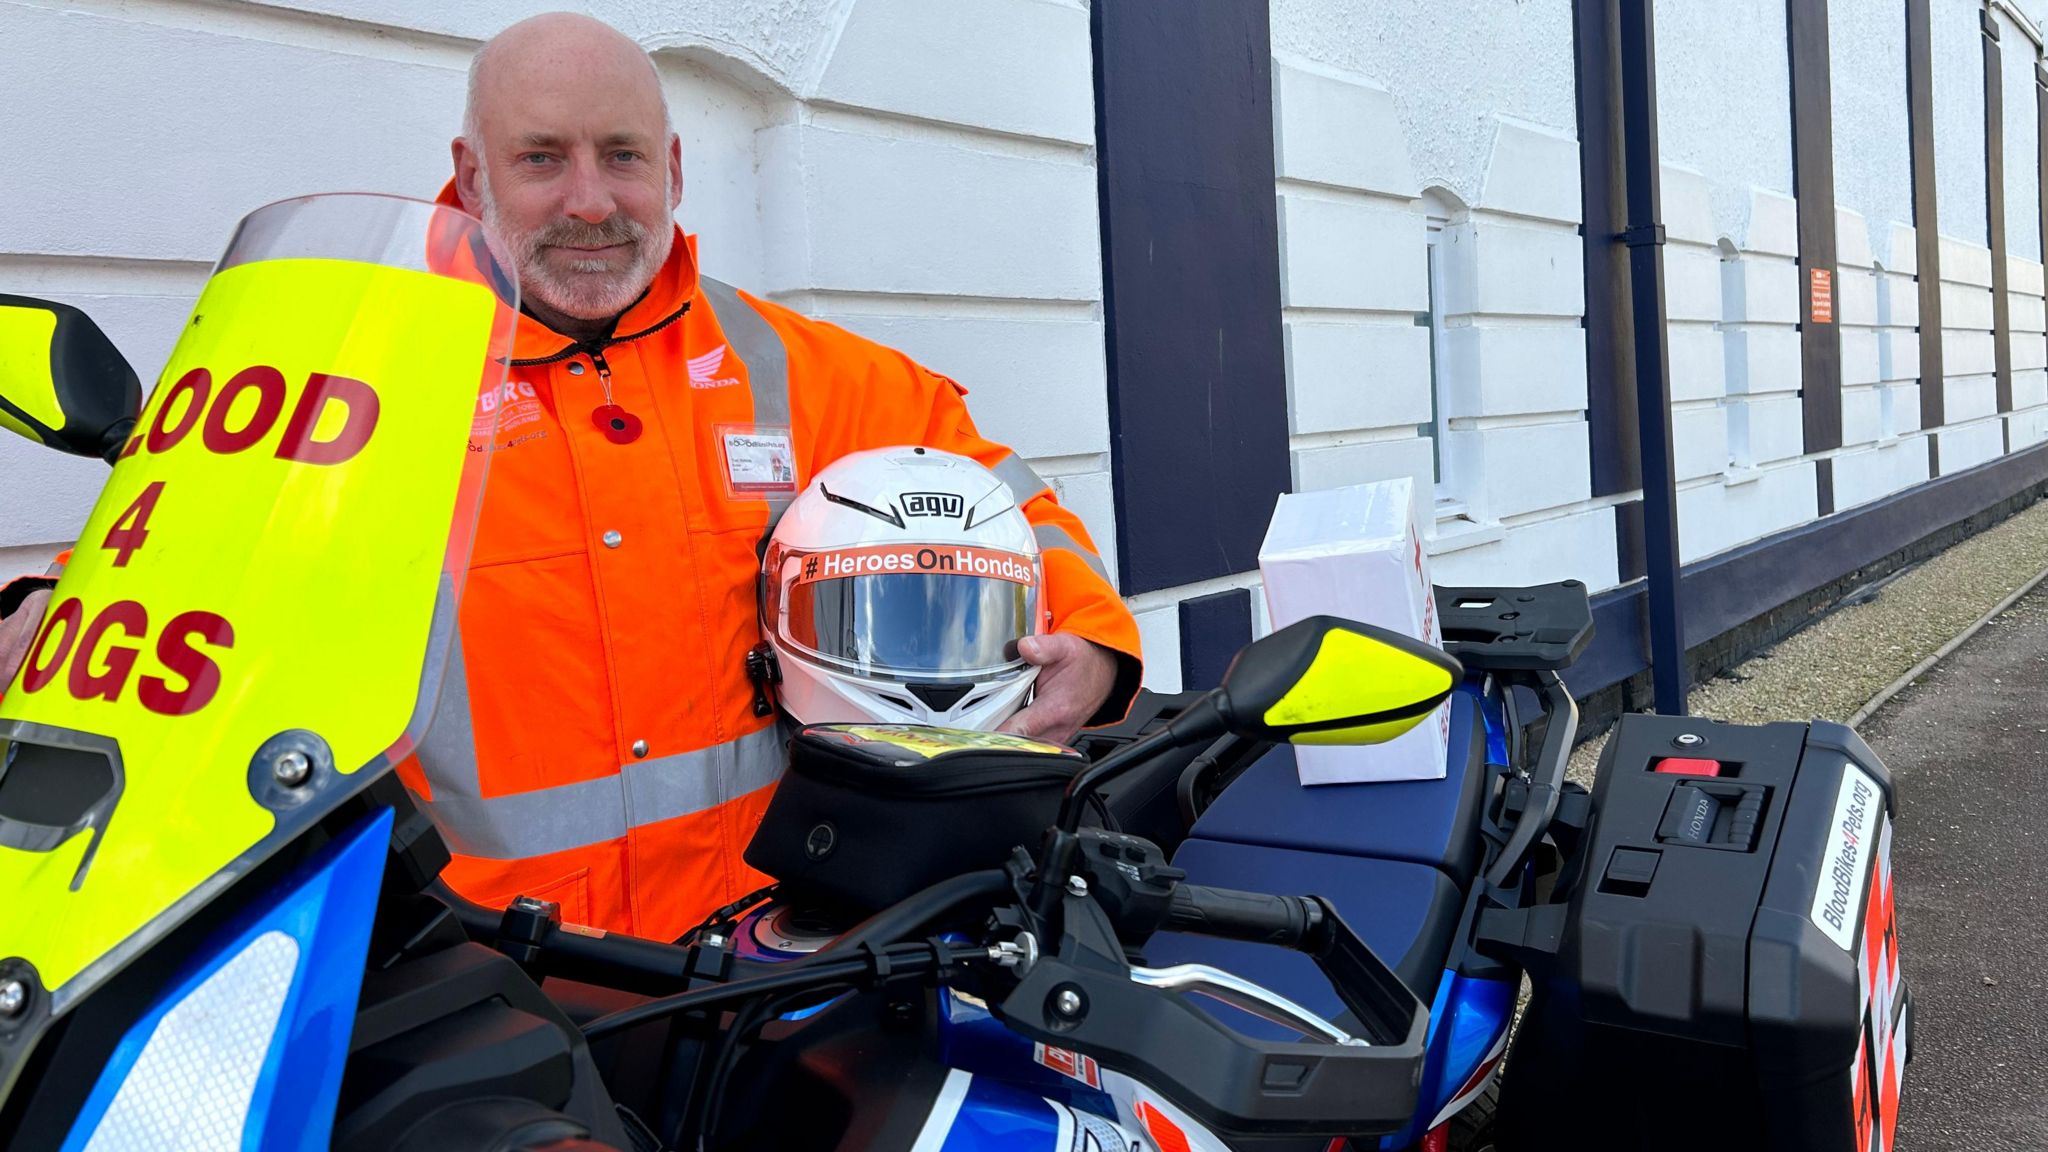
x: 1407, y: 913
x: 1430, y: 822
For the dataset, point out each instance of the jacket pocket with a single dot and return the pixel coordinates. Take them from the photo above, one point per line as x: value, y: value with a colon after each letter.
x: 572, y: 892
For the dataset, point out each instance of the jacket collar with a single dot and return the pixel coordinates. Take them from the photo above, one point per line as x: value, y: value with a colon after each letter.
x: 674, y: 286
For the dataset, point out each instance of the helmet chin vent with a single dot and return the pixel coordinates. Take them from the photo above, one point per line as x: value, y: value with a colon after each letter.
x: 895, y: 701
x: 940, y: 697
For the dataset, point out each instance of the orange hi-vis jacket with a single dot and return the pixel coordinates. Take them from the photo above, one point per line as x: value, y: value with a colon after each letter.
x: 595, y: 741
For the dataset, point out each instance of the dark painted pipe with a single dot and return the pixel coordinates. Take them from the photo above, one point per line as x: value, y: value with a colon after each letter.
x: 1645, y: 240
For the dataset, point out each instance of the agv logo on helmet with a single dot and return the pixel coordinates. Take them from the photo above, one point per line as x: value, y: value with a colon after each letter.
x: 943, y: 504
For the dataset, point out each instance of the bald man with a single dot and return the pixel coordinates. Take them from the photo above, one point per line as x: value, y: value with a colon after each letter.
x: 597, y: 744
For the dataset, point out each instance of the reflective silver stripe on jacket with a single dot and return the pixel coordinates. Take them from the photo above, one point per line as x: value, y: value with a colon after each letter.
x: 1052, y: 536
x: 596, y: 811
x: 544, y: 820
x: 760, y: 347
x: 1024, y: 482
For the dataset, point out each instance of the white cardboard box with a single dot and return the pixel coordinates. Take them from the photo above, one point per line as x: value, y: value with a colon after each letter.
x: 1356, y: 552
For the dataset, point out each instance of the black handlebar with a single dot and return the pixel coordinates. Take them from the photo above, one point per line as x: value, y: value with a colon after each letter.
x: 1080, y: 995
x: 1283, y: 921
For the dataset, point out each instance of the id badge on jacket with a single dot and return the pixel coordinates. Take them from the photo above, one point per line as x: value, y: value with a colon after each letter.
x: 760, y: 461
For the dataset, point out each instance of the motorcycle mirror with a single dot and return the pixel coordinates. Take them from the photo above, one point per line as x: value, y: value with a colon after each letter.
x: 1323, y: 680
x: 1326, y: 680
x: 63, y: 384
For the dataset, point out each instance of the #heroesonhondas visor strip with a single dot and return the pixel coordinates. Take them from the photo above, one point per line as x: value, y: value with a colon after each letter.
x: 925, y: 560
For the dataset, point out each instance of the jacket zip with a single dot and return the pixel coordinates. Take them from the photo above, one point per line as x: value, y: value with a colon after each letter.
x: 595, y: 348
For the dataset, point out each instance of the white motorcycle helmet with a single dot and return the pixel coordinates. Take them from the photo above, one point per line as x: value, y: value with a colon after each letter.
x: 895, y: 589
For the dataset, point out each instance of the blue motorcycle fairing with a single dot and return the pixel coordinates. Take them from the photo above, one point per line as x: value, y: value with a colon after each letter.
x: 324, y: 908
x: 985, y: 1114
x: 1468, y: 1018
x: 1491, y: 710
x: 973, y: 1040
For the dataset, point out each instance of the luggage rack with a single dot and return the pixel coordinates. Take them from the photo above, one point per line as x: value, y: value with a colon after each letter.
x: 1538, y: 628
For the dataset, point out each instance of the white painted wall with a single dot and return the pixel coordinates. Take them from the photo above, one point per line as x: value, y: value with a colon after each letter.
x: 923, y: 171
x: 1450, y: 65
x: 1973, y: 434
x: 1872, y: 127
x: 919, y: 171
x: 1877, y: 297
x: 1366, y: 124
x: 1724, y: 108
x: 2027, y: 425
x: 2020, y: 111
x: 1957, y: 39
x: 1724, y: 101
x: 1474, y: 102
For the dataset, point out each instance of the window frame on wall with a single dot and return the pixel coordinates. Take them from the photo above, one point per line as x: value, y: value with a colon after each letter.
x: 1441, y: 211
x: 1734, y: 405
x: 1887, y: 410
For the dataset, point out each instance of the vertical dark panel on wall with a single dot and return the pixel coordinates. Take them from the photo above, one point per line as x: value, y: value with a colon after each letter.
x: 1926, y: 225
x: 2041, y: 153
x: 1603, y: 197
x: 1631, y: 559
x: 1994, y: 208
x: 1212, y: 630
x: 1191, y: 284
x: 1813, y: 183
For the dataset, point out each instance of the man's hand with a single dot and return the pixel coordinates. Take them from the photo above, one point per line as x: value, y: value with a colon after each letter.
x: 1074, y: 679
x: 17, y: 631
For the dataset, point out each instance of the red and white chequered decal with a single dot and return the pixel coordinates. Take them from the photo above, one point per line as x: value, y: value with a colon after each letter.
x: 1881, y: 1049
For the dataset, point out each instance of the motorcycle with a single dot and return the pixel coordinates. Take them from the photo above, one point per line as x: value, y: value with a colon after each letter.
x: 228, y: 929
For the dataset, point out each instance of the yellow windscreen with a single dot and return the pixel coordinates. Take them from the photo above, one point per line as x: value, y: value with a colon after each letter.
x: 265, y: 558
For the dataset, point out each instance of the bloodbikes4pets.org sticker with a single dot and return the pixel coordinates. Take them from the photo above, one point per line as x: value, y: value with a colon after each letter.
x: 1858, y: 804
x: 1859, y: 849
x: 937, y: 560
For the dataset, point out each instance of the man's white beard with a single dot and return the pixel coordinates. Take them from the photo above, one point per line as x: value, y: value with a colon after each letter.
x: 593, y: 289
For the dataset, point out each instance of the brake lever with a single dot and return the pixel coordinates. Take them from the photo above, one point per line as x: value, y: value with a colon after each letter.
x: 1242, y: 994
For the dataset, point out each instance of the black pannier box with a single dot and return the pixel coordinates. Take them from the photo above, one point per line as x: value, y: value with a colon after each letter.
x: 1727, y: 970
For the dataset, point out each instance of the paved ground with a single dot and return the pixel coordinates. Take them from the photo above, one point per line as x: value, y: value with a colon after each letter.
x: 1968, y: 746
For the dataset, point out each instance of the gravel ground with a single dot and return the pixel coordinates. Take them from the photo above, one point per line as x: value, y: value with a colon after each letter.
x: 1833, y: 667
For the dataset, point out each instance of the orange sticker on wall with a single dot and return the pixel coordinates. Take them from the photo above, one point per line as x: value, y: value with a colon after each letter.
x: 1823, y: 296
x: 917, y: 559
